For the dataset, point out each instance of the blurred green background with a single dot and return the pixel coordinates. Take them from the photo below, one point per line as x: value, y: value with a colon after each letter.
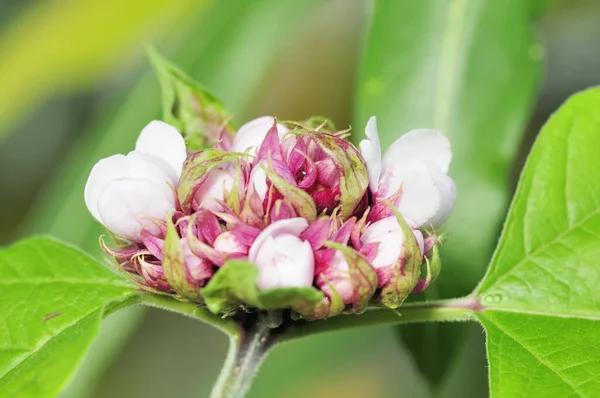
x: 75, y: 86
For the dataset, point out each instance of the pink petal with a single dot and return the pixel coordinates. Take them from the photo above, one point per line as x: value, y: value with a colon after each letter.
x: 343, y: 234
x: 251, y: 135
x: 208, y: 226
x: 337, y: 275
x: 153, y: 244
x: 317, y: 233
x: 281, y: 211
x: 270, y: 149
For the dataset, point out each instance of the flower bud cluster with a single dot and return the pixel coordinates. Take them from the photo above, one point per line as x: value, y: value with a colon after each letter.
x: 284, y: 215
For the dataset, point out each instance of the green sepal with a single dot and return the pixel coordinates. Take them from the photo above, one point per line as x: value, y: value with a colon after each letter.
x: 300, y: 201
x: 313, y: 123
x: 189, y: 107
x: 354, y: 177
x: 196, y: 169
x: 363, y: 276
x: 233, y: 198
x: 327, y: 307
x: 336, y: 304
x: 407, y: 270
x: 234, y: 285
x: 433, y: 265
x: 174, y: 266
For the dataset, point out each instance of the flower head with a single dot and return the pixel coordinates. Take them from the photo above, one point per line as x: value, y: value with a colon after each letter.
x: 128, y: 193
x: 281, y: 216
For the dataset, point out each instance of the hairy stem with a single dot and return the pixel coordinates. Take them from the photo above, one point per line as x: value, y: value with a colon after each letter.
x: 455, y: 310
x: 243, y: 360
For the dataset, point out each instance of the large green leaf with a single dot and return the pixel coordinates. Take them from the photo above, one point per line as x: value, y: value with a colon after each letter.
x: 53, y: 298
x: 469, y: 68
x: 541, y: 295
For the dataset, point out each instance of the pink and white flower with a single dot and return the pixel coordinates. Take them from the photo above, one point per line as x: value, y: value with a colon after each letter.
x: 127, y: 192
x: 299, y: 207
x: 414, y: 172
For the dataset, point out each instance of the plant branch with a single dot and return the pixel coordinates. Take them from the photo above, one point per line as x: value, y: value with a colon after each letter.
x: 243, y: 360
x: 455, y: 310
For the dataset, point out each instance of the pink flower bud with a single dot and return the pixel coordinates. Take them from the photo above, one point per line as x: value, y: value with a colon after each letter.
x: 344, y: 272
x: 283, y: 259
x: 198, y: 269
x: 213, y: 190
x: 252, y: 134
x: 387, y: 235
x: 336, y: 275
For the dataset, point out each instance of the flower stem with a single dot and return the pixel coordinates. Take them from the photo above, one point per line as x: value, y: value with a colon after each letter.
x: 455, y: 310
x: 243, y: 360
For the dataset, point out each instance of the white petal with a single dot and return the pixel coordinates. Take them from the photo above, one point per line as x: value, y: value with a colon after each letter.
x: 370, y: 149
x: 427, y: 196
x: 268, y: 276
x: 219, y: 180
x: 149, y: 167
x: 339, y: 261
x: 134, y: 165
x: 418, y: 146
x: 125, y: 204
x: 228, y: 243
x: 285, y: 261
x: 252, y: 134
x: 389, y: 235
x: 164, y: 141
x: 420, y: 240
x: 103, y: 172
x: 300, y: 270
x: 292, y: 226
x: 258, y: 181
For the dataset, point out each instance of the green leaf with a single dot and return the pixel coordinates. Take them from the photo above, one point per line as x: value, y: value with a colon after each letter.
x: 540, y: 296
x: 188, y: 106
x: 471, y: 69
x: 53, y: 298
x: 235, y: 283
